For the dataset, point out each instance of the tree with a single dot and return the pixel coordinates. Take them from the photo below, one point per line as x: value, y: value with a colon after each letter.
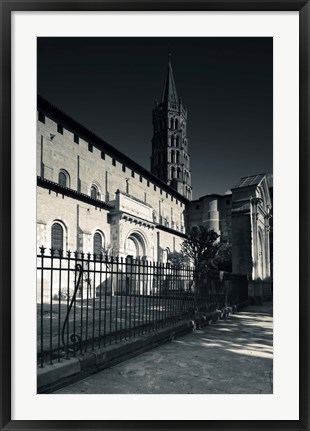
x: 200, y: 246
x: 177, y: 259
x: 222, y: 260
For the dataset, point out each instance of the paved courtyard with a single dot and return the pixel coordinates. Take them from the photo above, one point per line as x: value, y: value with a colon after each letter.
x: 233, y: 356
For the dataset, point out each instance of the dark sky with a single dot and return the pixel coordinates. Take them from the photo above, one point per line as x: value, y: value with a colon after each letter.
x: 110, y: 86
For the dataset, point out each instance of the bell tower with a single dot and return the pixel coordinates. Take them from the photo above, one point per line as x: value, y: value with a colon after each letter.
x: 170, y: 159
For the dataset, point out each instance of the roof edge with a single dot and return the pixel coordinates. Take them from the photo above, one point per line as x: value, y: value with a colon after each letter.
x: 48, y: 108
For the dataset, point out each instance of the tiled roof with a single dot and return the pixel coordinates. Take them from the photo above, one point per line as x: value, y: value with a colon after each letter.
x: 251, y: 180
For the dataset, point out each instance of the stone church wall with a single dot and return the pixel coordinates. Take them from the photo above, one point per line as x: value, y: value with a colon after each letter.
x: 57, y: 151
x: 80, y: 221
x: 86, y: 168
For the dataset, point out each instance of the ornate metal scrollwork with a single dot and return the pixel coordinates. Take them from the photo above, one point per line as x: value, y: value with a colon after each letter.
x: 74, y: 338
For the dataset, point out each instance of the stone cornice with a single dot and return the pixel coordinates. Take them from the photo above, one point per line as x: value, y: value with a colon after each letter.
x: 170, y: 230
x: 142, y: 222
x: 137, y: 220
x: 65, y: 191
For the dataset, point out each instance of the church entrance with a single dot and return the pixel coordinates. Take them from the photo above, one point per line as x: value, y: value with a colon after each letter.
x: 135, y: 246
x: 136, y: 273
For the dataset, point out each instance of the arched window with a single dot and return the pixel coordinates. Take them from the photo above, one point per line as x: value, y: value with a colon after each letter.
x: 177, y: 141
x: 172, y: 141
x: 171, y: 123
x: 57, y: 237
x: 63, y: 178
x: 172, y: 157
x: 172, y: 172
x: 98, y: 243
x: 178, y: 157
x: 178, y: 173
x: 94, y: 192
x: 176, y: 123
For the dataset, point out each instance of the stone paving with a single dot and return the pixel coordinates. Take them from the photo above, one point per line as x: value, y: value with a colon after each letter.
x: 233, y: 356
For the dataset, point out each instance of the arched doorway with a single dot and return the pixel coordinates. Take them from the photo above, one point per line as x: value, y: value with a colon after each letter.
x: 137, y: 277
x: 135, y: 246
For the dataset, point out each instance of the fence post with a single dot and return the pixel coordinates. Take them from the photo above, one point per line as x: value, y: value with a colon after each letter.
x: 42, y: 251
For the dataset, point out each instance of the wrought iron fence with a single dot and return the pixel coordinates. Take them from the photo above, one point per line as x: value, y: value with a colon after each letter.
x: 87, y: 301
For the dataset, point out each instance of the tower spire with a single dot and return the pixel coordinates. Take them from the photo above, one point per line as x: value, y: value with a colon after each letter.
x: 169, y: 92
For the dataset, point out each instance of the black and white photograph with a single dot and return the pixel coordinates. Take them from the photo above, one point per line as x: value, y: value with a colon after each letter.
x: 154, y: 168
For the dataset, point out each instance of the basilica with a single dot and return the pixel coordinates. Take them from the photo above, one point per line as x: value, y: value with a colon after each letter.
x: 91, y: 197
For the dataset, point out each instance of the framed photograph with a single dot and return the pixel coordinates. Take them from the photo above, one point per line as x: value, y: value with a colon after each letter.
x: 154, y: 207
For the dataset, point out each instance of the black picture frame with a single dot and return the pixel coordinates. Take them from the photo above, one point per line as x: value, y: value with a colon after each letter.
x: 7, y: 7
